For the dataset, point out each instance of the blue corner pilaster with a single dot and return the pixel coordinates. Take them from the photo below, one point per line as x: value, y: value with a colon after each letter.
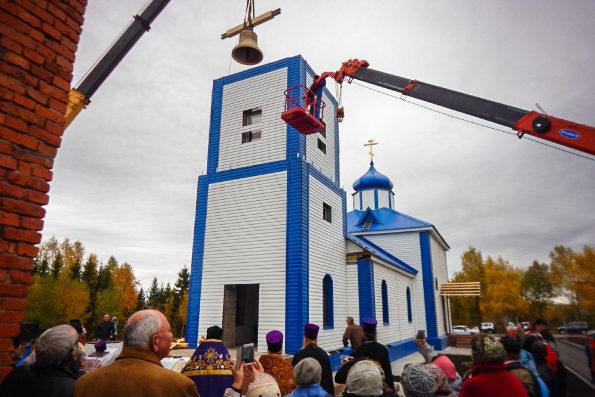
x: 200, y: 222
x: 365, y: 275
x: 428, y: 283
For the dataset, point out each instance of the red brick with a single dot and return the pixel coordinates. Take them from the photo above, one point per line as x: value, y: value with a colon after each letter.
x: 51, y: 31
x: 65, y: 63
x: 17, y: 60
x: 6, y: 95
x: 57, y: 12
x: 3, y: 277
x: 37, y: 197
x: 26, y: 17
x: 79, y: 5
x: 9, y: 329
x: 26, y: 236
x: 54, y: 128
x: 13, y: 303
x: 24, y: 101
x: 6, y: 345
x: 11, y: 45
x: 15, y: 123
x: 4, y: 245
x: 67, y: 53
x: 17, y: 73
x: 28, y: 181
x: 37, y: 35
x: 8, y: 162
x: 5, y: 147
x: 33, y: 56
x: 12, y: 247
x: 26, y: 115
x: 74, y: 24
x: 19, y: 138
x: 5, y: 358
x: 27, y: 250
x: 13, y: 316
x: 24, y: 168
x: 45, y: 51
x: 66, y: 30
x: 58, y: 106
x: 19, y: 278
x: 47, y: 150
x: 12, y: 84
x: 42, y: 172
x: 45, y: 136
x: 4, y: 371
x: 38, y: 96
x: 8, y: 190
x: 33, y: 224
x: 23, y: 208
x: 54, y: 68
x: 50, y: 114
x: 53, y: 92
x: 14, y: 23
x: 38, y: 11
x: 43, y: 74
x: 8, y: 219
x: 17, y: 36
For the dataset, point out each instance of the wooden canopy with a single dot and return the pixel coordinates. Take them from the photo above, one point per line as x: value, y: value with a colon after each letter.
x: 461, y: 289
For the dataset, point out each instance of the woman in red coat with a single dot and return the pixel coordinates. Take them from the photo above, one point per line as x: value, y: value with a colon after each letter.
x: 489, y: 375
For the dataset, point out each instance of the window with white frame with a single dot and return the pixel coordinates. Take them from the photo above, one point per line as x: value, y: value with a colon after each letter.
x: 250, y: 136
x: 252, y: 116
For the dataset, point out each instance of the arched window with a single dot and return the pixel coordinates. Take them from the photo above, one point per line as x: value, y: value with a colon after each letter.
x: 409, y: 316
x: 436, y: 283
x: 327, y: 301
x: 384, y: 302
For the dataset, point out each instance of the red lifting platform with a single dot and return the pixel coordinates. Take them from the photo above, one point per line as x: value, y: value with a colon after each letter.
x: 303, y: 117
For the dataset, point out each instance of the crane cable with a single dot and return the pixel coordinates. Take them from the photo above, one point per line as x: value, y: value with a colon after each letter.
x: 403, y: 97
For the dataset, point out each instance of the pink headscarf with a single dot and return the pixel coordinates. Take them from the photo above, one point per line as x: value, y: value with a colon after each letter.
x: 446, y: 366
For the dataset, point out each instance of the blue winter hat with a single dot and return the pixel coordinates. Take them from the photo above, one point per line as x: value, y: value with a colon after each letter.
x: 369, y: 325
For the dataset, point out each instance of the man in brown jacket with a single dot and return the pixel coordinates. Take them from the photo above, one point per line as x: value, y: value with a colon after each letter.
x: 354, y: 334
x: 138, y: 371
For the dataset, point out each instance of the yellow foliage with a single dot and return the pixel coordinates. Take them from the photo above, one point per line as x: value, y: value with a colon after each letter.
x: 502, y: 289
x: 125, y: 287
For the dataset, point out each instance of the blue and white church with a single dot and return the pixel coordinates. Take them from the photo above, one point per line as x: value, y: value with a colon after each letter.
x: 274, y: 246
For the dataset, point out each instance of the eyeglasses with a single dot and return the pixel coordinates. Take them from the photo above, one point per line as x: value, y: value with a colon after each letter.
x: 80, y: 338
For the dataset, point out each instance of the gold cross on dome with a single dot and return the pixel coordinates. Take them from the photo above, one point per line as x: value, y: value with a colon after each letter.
x: 371, y: 143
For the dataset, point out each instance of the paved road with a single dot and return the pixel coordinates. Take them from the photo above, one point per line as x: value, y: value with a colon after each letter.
x: 574, y: 358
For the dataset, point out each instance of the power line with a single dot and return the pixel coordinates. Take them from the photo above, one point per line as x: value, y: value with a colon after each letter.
x: 404, y: 97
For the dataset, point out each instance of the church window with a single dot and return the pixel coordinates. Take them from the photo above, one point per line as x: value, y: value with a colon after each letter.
x: 327, y: 212
x: 252, y: 116
x: 327, y: 301
x: 250, y: 136
x: 323, y: 132
x: 436, y: 278
x: 409, y: 315
x: 384, y: 302
x: 321, y: 146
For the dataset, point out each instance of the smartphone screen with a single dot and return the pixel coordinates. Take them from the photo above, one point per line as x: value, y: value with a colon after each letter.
x: 420, y: 334
x: 248, y: 354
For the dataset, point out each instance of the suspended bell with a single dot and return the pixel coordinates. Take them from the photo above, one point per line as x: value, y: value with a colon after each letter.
x: 247, y: 51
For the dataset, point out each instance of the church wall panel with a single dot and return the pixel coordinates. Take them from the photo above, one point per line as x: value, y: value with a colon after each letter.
x: 387, y: 332
x: 246, y: 244
x: 383, y: 198
x: 353, y: 292
x: 406, y: 247
x: 240, y: 96
x: 368, y: 199
x: 440, y: 271
x: 327, y: 256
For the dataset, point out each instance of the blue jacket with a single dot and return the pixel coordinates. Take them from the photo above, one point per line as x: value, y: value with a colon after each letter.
x: 314, y: 390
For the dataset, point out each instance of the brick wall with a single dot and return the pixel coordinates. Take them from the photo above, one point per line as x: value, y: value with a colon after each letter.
x: 38, y: 41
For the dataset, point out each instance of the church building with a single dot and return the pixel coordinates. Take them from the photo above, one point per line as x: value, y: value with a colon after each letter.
x: 274, y: 246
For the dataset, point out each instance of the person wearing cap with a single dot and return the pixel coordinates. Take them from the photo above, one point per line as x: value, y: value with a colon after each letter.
x: 418, y: 381
x: 311, y: 349
x: 210, y: 365
x: 353, y: 334
x: 541, y: 327
x: 489, y: 374
x: 307, y: 375
x: 443, y: 362
x: 275, y: 365
x: 375, y: 351
x: 365, y: 379
x: 513, y: 351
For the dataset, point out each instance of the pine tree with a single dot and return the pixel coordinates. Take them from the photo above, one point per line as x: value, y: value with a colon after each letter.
x: 154, y: 294
x: 89, y: 277
x: 182, y: 284
x: 141, y: 300
x: 57, y: 265
x: 75, y: 270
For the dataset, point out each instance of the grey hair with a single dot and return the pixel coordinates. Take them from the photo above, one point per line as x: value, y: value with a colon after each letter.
x: 350, y: 319
x: 54, y: 345
x: 139, y: 332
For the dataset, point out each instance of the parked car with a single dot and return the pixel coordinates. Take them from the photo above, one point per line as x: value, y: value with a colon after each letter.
x: 462, y: 330
x: 474, y: 330
x: 488, y: 328
x: 574, y: 327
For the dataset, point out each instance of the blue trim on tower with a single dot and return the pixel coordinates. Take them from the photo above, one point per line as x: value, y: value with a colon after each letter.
x: 253, y: 170
x: 365, y: 281
x: 194, y: 290
x: 375, y: 199
x: 215, y: 127
x: 428, y: 283
x: 390, y: 202
x: 361, y: 205
x: 296, y: 75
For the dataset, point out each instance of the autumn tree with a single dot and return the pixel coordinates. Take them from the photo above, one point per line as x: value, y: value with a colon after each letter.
x: 57, y: 265
x: 464, y: 310
x: 537, y: 288
x: 125, y: 287
x: 501, y: 300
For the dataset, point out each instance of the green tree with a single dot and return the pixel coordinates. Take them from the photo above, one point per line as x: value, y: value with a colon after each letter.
x: 154, y: 294
x: 464, y: 310
x: 181, y: 285
x: 537, y: 288
x: 41, y: 302
x: 76, y: 270
x: 57, y: 265
x: 141, y: 300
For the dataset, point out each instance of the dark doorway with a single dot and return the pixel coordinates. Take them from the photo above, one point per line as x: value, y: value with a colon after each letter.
x: 240, y: 314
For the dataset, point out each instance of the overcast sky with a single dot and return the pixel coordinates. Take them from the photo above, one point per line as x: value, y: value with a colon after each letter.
x: 125, y: 177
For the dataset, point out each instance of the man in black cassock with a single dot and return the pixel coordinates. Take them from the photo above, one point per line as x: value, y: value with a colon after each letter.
x: 312, y: 350
x: 375, y: 351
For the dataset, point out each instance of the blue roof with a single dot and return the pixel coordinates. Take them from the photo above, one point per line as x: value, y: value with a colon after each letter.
x: 376, y: 250
x: 372, y: 180
x: 387, y: 220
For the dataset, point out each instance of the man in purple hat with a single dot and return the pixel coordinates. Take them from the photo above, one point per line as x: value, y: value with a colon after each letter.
x: 274, y: 365
x: 311, y: 349
x: 375, y: 351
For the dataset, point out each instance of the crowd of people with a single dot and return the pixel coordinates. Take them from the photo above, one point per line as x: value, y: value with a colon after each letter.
x: 520, y: 364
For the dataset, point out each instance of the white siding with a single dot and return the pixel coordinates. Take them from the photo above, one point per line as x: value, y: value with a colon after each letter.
x: 368, y: 199
x: 245, y: 244
x: 265, y: 91
x: 356, y: 203
x: 353, y: 295
x: 383, y: 198
x: 392, y: 198
x: 405, y: 246
x: 327, y: 256
x: 440, y: 272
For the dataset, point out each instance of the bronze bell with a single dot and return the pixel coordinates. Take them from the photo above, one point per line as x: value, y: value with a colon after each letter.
x: 247, y: 51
